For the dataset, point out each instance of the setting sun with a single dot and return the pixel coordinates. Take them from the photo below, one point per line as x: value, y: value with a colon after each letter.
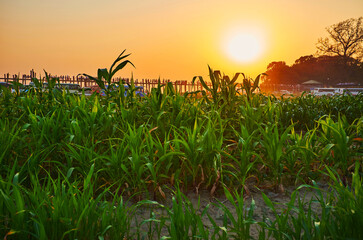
x: 173, y: 40
x: 244, y: 47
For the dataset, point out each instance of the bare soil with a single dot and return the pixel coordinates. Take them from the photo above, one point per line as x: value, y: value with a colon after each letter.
x: 261, y: 210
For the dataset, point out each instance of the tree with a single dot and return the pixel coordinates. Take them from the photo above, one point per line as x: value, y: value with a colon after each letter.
x: 305, y: 59
x: 279, y: 73
x: 276, y: 65
x: 345, y: 39
x: 329, y: 70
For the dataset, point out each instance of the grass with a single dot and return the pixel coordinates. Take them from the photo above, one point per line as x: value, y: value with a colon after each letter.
x: 83, y: 167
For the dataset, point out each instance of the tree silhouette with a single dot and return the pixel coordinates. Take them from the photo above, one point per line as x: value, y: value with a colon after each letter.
x: 329, y: 70
x: 280, y: 73
x: 345, y: 39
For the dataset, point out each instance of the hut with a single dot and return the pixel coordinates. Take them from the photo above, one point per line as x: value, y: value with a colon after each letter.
x: 310, y: 85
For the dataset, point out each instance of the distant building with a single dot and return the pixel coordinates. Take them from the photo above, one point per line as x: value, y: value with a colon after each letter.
x: 310, y: 85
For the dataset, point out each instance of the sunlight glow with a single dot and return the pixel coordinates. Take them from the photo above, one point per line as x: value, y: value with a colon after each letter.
x: 244, y: 46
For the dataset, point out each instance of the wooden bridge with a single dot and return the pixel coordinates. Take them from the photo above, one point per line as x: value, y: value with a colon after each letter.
x: 181, y: 85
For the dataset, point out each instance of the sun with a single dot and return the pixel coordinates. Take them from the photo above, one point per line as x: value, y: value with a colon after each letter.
x: 243, y: 47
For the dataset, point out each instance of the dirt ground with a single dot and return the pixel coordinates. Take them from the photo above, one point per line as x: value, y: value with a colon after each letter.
x: 261, y: 210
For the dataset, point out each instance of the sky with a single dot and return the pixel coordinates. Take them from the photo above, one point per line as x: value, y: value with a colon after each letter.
x: 170, y: 39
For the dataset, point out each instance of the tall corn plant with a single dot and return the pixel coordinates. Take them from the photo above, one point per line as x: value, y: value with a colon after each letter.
x: 189, y: 140
x: 339, y: 139
x: 246, y: 155
x: 162, y: 107
x: 202, y: 148
x: 257, y: 111
x: 301, y: 157
x: 104, y: 75
x: 160, y: 159
x: 134, y: 165
x: 222, y: 90
x: 251, y: 86
x: 126, y: 97
x: 273, y: 143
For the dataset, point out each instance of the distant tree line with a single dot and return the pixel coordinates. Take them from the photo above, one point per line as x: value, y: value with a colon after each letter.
x: 338, y: 59
x: 329, y: 70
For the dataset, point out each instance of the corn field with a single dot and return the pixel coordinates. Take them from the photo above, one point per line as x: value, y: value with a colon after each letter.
x: 82, y: 167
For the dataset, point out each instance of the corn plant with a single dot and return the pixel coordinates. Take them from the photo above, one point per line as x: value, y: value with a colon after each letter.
x: 273, y: 144
x: 112, y: 161
x: 246, y: 155
x: 160, y: 160
x: 37, y: 87
x: 211, y: 145
x: 338, y: 139
x: 182, y: 219
x: 202, y: 149
x: 304, y: 223
x: 348, y: 210
x: 16, y: 85
x: 104, y: 75
x: 165, y: 107
x: 12, y: 205
x: 279, y: 228
x: 222, y: 91
x: 302, y: 154
x: 250, y: 86
x: 236, y: 225
x: 251, y: 116
x: 189, y: 140
x: 295, y: 219
x: 134, y: 166
x: 60, y: 209
x: 9, y: 138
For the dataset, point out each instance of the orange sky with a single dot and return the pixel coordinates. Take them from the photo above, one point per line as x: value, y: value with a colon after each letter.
x: 171, y: 39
